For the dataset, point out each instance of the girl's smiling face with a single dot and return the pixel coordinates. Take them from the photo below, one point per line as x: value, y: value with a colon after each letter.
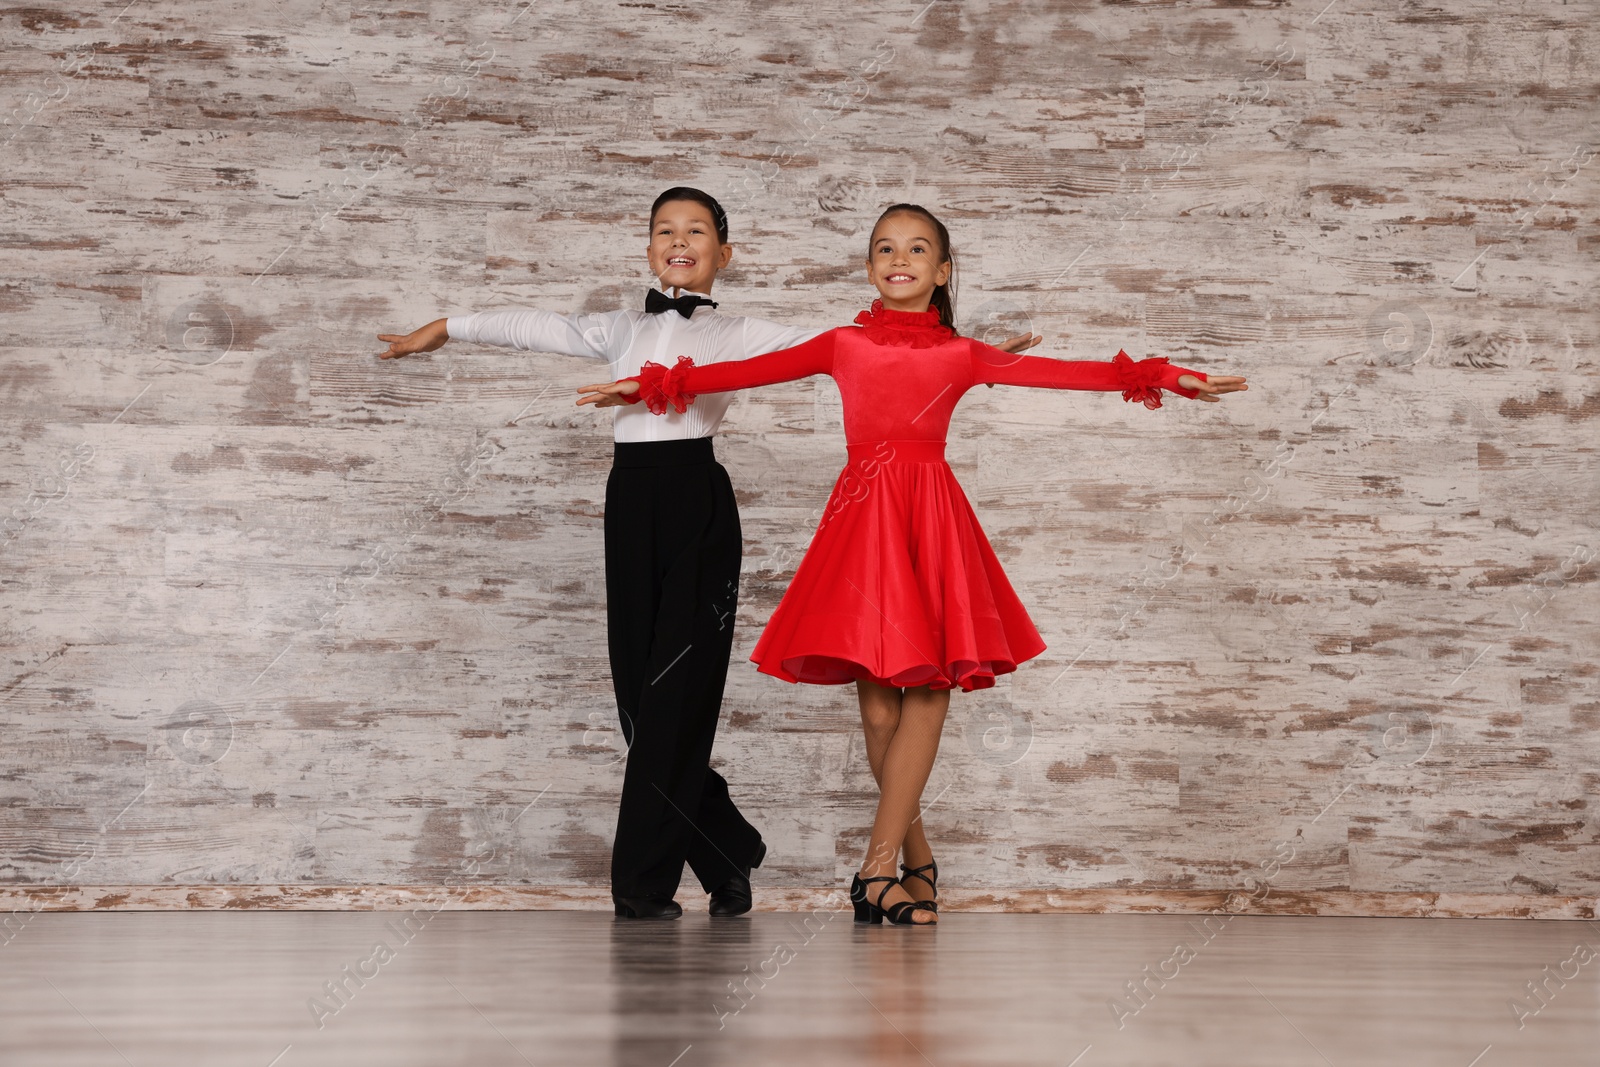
x: 684, y: 252
x: 906, y: 262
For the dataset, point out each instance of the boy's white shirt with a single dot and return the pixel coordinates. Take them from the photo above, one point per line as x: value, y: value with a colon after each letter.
x: 626, y: 339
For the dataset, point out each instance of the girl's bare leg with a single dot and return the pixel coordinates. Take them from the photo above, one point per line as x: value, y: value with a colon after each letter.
x: 907, y: 762
x: 881, y: 708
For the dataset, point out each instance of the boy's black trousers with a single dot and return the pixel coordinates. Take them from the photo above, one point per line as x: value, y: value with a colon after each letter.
x: 673, y: 547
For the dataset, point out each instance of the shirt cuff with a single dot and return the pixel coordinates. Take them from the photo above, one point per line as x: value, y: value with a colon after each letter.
x: 660, y: 386
x: 1178, y: 372
x: 1143, y: 381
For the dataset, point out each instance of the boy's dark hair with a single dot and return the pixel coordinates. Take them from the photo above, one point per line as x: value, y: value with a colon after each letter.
x: 944, y: 296
x: 684, y: 192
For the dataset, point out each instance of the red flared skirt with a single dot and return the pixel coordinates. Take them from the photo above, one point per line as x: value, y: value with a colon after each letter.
x: 899, y: 585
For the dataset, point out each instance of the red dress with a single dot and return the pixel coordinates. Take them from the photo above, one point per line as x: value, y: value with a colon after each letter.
x: 899, y: 585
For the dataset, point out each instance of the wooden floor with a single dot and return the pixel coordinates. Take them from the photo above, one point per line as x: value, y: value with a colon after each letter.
x: 553, y: 988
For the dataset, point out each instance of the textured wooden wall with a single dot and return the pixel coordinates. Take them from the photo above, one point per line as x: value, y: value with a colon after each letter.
x: 279, y: 613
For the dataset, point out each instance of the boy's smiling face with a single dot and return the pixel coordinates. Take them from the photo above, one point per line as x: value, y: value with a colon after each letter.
x: 684, y: 252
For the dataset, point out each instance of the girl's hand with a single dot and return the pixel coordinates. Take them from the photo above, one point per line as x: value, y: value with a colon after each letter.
x: 426, y: 339
x: 607, y: 394
x: 1211, y: 391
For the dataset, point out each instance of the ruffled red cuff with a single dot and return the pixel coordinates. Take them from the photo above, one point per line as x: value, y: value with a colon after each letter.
x: 659, y: 386
x: 1144, y: 380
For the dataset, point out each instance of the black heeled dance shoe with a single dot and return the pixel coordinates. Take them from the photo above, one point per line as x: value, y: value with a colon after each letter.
x: 869, y: 912
x: 933, y: 882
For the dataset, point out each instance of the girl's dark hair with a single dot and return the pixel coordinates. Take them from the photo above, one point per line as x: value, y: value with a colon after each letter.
x: 944, y: 296
x: 705, y: 199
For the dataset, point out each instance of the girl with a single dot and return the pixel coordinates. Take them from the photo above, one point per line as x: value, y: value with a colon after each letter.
x: 899, y: 590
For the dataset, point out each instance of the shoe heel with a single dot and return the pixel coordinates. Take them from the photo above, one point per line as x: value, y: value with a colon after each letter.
x: 858, y: 900
x: 865, y: 910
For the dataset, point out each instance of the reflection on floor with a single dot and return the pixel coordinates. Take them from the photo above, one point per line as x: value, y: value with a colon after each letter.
x: 555, y: 988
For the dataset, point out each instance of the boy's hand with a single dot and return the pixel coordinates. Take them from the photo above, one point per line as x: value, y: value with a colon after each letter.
x: 1210, y: 391
x: 426, y: 339
x: 607, y: 394
x: 1020, y: 343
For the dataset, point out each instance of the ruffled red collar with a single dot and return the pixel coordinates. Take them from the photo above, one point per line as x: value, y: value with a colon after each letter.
x: 912, y: 329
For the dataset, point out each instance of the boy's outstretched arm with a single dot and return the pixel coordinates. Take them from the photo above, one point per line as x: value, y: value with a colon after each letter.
x: 601, y: 335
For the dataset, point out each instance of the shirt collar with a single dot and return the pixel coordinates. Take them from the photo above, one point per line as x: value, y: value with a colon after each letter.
x: 676, y: 292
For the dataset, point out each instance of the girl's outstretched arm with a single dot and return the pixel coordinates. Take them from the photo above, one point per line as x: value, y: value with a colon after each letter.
x: 1141, y: 381
x: 659, y: 386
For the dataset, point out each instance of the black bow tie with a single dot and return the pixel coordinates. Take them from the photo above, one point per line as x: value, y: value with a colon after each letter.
x: 655, y: 302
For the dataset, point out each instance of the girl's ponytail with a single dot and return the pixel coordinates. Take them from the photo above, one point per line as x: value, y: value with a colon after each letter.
x: 944, y: 296
x: 944, y: 300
